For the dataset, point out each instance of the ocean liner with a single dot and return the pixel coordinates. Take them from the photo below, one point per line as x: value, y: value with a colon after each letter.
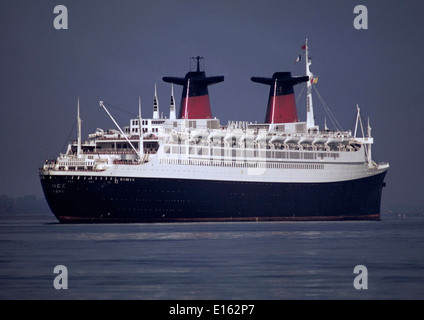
x: 191, y: 168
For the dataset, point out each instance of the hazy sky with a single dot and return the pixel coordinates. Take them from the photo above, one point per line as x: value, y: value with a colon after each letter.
x: 117, y: 50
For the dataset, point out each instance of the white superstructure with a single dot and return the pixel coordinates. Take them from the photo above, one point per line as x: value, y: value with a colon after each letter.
x: 205, y: 149
x: 240, y: 151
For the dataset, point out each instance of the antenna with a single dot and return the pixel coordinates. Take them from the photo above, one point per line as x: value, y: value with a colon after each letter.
x: 310, y: 122
x: 140, y: 129
x: 172, y: 114
x: 357, y: 120
x: 186, y: 100
x: 155, y: 105
x: 79, y: 149
x: 271, y: 127
x: 197, y: 63
x: 369, y: 144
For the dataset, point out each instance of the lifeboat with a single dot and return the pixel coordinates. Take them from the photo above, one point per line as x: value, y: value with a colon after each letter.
x: 306, y: 140
x: 233, y: 134
x: 334, y: 140
x: 320, y: 140
x: 292, y: 139
x: 196, y: 134
x: 278, y: 138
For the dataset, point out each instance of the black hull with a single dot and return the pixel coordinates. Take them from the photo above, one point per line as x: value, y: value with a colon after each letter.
x: 93, y: 199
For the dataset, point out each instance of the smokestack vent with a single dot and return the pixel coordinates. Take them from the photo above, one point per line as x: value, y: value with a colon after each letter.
x: 195, y: 102
x: 281, y: 102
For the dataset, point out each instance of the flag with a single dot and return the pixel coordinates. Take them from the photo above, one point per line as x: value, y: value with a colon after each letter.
x: 304, y: 47
x: 314, y: 80
x: 299, y: 58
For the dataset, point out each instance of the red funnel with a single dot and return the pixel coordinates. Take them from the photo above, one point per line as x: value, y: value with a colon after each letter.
x: 195, y: 102
x: 281, y: 102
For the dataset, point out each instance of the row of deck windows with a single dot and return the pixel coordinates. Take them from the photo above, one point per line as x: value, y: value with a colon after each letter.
x: 240, y: 164
x: 268, y: 154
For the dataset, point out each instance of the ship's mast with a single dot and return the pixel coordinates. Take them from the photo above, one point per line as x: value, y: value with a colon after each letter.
x: 357, y: 120
x: 155, y: 105
x: 367, y: 141
x: 198, y: 63
x: 79, y: 149
x: 140, y: 129
x: 310, y: 122
x: 271, y: 127
x: 370, y: 163
x: 186, y: 100
x: 172, y: 114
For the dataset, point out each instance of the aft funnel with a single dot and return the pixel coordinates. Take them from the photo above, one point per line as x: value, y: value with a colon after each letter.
x: 195, y: 102
x: 281, y: 103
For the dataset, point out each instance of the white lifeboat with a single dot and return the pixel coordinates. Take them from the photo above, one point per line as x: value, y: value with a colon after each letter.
x: 320, y: 140
x: 233, y: 134
x: 278, y: 138
x: 292, y: 139
x: 334, y: 140
x: 195, y: 134
x: 306, y: 140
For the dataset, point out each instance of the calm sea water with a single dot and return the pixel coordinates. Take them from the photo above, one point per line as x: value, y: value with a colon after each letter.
x: 255, y: 260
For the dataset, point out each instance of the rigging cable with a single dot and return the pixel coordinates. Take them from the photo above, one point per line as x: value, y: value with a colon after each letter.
x: 300, y: 94
x: 333, y: 119
x: 69, y: 135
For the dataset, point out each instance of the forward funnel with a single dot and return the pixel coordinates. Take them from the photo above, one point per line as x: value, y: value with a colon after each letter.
x: 195, y: 102
x: 281, y: 102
